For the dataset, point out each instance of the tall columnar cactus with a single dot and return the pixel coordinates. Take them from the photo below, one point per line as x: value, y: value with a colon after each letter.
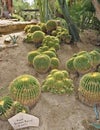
x: 6, y: 108
x: 31, y: 56
x: 41, y: 63
x: 89, y: 88
x: 25, y: 89
x: 51, y: 25
x: 82, y: 64
x: 95, y: 56
x: 58, y: 82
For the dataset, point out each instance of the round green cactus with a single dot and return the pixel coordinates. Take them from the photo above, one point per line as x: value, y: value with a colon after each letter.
x: 27, y: 28
x: 25, y: 89
x: 50, y: 54
x: 89, y: 88
x: 51, y: 25
x: 51, y: 41
x: 42, y: 63
x: 6, y: 108
x: 70, y: 66
x: 38, y: 37
x: 20, y: 108
x: 43, y: 27
x: 95, y: 56
x: 28, y: 38
x: 31, y: 56
x: 82, y: 64
x: 43, y: 48
x: 34, y: 28
x: 58, y: 82
x: 55, y: 63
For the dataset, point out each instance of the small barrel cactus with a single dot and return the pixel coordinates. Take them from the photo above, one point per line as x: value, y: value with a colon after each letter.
x: 27, y: 28
x: 6, y: 108
x: 55, y: 63
x: 70, y: 66
x: 89, y: 88
x: 95, y: 56
x: 51, y: 41
x: 20, y: 108
x: 82, y: 64
x: 34, y: 28
x: 50, y: 53
x: 51, y: 25
x: 25, y: 89
x: 28, y: 38
x: 31, y: 56
x: 58, y: 82
x: 43, y: 48
x: 38, y: 37
x: 42, y: 63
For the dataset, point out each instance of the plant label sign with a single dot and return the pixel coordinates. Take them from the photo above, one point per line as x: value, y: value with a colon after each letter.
x: 23, y: 120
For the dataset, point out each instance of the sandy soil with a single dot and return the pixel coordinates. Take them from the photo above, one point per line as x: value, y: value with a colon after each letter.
x: 56, y: 112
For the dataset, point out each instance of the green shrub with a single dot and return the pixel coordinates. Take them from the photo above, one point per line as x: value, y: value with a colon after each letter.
x: 31, y: 56
x: 51, y: 25
x: 42, y: 63
x: 55, y: 63
x: 6, y: 108
x: 25, y: 89
x: 58, y: 82
x: 89, y: 88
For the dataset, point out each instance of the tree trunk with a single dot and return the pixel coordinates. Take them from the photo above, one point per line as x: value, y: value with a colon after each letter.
x: 72, y: 28
x: 96, y: 5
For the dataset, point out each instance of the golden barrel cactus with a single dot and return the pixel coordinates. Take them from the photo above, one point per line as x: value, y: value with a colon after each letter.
x: 25, y: 89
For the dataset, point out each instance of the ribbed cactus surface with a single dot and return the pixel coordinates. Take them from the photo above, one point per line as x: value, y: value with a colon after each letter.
x: 89, y: 87
x: 25, y: 89
x: 58, y: 82
x: 6, y: 108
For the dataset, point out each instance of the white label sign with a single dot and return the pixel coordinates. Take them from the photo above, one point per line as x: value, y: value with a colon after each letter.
x: 23, y: 120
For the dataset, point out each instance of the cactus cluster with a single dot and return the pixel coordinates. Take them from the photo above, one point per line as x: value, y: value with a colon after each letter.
x: 43, y: 59
x: 34, y: 28
x: 58, y: 82
x: 62, y: 34
x: 51, y: 41
x: 83, y: 62
x: 25, y: 89
x: 89, y: 88
x: 6, y: 108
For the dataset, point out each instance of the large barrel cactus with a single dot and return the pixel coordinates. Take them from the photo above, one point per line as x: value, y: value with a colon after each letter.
x: 82, y: 64
x: 6, y: 108
x: 89, y: 88
x: 58, y: 82
x: 34, y: 28
x: 25, y: 89
x: 42, y: 63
